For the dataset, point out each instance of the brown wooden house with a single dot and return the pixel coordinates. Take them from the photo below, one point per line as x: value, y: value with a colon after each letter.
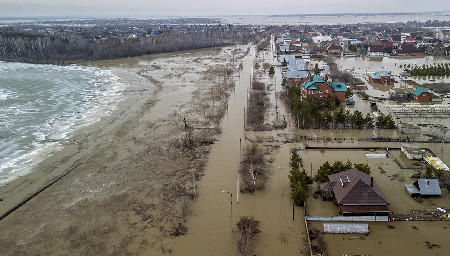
x: 421, y: 95
x: 355, y: 193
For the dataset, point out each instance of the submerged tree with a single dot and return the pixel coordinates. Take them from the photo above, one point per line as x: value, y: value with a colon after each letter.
x: 327, y: 169
x: 296, y: 160
x: 298, y: 181
x: 385, y: 122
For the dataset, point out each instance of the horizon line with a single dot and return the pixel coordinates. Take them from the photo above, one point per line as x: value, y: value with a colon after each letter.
x: 213, y: 16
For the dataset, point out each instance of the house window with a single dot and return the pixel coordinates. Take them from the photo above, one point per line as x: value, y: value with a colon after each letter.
x: 312, y: 92
x: 326, y: 91
x: 320, y: 91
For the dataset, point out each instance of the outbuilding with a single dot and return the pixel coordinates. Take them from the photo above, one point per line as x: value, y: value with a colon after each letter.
x: 424, y: 187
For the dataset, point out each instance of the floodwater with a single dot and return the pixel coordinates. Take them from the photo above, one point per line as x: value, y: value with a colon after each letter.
x: 212, y: 227
x: 330, y: 19
x: 361, y: 67
x: 405, y: 238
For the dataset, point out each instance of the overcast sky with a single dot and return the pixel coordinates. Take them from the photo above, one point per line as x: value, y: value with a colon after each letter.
x: 9, y: 8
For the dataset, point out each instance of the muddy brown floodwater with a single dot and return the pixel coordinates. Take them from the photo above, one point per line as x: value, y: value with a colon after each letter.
x: 130, y: 185
x: 135, y: 189
x: 213, y: 223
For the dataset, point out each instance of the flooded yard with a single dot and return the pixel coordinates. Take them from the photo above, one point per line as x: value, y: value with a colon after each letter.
x: 384, y: 238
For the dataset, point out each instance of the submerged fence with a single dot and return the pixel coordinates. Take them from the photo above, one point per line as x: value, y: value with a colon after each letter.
x: 348, y: 218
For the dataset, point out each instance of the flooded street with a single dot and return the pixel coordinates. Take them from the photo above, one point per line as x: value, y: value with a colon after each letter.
x: 212, y: 227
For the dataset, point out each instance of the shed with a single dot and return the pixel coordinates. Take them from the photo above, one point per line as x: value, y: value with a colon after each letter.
x: 412, y: 151
x: 436, y: 163
x: 346, y: 228
x: 424, y: 187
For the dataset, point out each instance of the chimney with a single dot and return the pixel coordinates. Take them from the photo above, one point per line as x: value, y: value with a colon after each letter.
x: 310, y: 78
x: 326, y: 78
x: 371, y: 182
x: 428, y: 183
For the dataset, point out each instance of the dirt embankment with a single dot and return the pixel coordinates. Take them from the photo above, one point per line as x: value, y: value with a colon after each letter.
x: 134, y: 178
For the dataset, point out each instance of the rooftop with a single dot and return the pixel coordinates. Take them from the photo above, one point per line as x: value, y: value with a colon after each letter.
x: 312, y: 84
x: 419, y: 91
x: 359, y: 190
x: 379, y: 74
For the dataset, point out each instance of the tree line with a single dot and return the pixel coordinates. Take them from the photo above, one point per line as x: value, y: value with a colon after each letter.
x: 440, y: 69
x: 63, y: 48
x: 315, y: 113
x: 337, y: 167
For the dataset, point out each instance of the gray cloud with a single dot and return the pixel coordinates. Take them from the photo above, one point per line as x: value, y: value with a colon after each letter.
x: 208, y: 8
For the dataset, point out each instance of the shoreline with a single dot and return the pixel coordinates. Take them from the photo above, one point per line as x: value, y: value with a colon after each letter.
x: 45, y: 172
x: 128, y: 168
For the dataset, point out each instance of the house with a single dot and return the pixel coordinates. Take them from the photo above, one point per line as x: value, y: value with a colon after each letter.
x: 297, y: 43
x: 412, y: 152
x: 375, y: 50
x: 296, y: 76
x: 334, y: 50
x: 297, y: 64
x: 316, y: 56
x: 387, y: 45
x: 421, y: 95
x: 361, y: 87
x: 437, y: 49
x: 409, y: 40
x: 324, y: 45
x: 284, y: 61
x: 284, y: 49
x: 424, y: 187
x: 295, y: 50
x: 353, y: 41
x: 382, y: 77
x: 409, y: 49
x: 355, y: 193
x: 319, y: 87
x: 296, y: 70
x: 304, y: 43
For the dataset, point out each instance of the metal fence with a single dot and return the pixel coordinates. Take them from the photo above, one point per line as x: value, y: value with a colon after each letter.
x: 348, y: 218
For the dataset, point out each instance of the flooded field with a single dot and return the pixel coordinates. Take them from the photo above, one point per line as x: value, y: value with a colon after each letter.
x: 361, y: 67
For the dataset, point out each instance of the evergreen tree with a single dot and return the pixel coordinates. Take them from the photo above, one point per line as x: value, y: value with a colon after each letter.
x: 298, y: 181
x: 296, y: 160
x: 316, y: 70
